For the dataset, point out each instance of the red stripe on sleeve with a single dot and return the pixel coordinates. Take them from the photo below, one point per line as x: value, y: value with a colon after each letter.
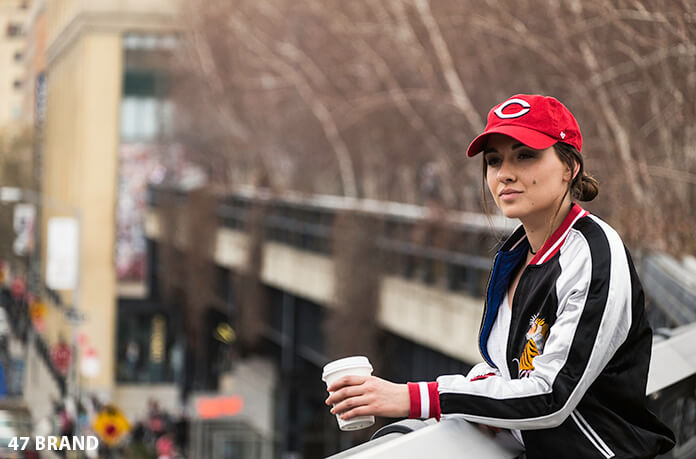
x: 414, y: 393
x: 479, y: 377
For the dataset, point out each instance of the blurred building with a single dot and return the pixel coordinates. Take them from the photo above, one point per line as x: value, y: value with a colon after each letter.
x: 33, y: 111
x: 95, y: 72
x: 13, y: 14
x: 34, y: 59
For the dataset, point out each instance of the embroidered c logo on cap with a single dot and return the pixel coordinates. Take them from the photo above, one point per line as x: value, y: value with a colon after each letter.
x: 525, y: 108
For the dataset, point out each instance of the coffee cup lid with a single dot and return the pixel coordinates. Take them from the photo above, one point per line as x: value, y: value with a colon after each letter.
x: 345, y: 363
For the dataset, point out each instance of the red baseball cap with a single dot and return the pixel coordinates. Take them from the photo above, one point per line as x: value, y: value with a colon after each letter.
x: 536, y: 121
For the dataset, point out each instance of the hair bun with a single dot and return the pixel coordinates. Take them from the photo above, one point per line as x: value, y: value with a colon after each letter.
x: 586, y: 188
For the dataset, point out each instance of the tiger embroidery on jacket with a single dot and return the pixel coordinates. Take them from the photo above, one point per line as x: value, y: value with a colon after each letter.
x: 536, y: 338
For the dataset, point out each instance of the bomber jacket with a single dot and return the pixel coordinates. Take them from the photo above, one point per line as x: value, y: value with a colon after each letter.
x: 578, y: 351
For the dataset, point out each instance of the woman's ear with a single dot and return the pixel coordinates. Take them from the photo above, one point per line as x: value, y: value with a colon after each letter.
x: 570, y: 174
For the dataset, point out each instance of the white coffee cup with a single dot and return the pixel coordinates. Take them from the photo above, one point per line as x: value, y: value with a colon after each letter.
x: 349, y: 366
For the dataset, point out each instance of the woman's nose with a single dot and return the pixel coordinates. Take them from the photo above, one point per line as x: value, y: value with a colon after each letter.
x: 505, y: 173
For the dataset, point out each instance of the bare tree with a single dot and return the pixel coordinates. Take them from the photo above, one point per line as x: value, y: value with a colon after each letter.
x: 356, y: 98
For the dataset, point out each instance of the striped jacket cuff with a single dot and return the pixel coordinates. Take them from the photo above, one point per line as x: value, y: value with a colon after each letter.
x: 425, y: 400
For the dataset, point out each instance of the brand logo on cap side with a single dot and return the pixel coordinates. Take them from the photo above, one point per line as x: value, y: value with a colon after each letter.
x: 523, y: 103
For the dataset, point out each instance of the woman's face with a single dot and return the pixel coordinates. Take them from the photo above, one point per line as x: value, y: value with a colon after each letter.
x: 524, y: 182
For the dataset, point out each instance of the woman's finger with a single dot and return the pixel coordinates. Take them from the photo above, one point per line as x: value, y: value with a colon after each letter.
x: 344, y: 381
x: 359, y: 407
x: 349, y: 404
x: 344, y: 393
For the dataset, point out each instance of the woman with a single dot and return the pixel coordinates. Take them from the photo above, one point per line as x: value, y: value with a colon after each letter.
x: 564, y: 336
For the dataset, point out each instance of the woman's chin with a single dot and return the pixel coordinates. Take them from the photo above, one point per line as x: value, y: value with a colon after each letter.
x: 512, y: 211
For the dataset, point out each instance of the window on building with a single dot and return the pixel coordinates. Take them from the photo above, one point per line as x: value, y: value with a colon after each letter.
x: 18, y: 56
x: 24, y: 4
x: 40, y: 98
x: 13, y: 29
x: 146, y: 114
x: 134, y: 41
x: 145, y: 347
x: 17, y: 84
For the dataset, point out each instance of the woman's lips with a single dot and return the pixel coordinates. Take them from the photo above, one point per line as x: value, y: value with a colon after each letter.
x: 509, y: 195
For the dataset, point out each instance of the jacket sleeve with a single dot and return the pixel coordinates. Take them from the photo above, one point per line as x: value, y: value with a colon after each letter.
x: 425, y: 398
x: 593, y: 320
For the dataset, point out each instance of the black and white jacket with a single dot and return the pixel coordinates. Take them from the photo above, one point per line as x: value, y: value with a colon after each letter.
x: 578, y: 351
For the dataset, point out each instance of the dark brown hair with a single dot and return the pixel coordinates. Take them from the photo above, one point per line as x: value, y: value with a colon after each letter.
x: 583, y: 187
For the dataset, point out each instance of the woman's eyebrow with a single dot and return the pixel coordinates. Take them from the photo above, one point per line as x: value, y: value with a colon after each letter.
x: 514, y: 146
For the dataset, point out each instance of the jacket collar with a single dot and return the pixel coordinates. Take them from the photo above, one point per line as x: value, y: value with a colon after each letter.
x: 552, y: 244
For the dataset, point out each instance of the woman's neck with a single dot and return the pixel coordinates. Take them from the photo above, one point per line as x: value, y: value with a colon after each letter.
x: 540, y: 227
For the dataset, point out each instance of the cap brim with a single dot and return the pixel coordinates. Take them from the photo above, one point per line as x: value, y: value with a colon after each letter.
x: 530, y: 137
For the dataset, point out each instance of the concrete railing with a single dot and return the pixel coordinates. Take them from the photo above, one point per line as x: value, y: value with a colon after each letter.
x: 449, y: 438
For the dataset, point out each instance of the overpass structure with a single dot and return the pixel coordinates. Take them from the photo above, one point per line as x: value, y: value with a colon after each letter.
x: 297, y: 258
x: 432, y: 275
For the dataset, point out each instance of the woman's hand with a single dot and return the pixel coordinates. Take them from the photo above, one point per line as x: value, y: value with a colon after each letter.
x: 368, y: 396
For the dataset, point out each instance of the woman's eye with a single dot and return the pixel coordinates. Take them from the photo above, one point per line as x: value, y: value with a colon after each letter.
x: 525, y: 155
x: 492, y: 162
